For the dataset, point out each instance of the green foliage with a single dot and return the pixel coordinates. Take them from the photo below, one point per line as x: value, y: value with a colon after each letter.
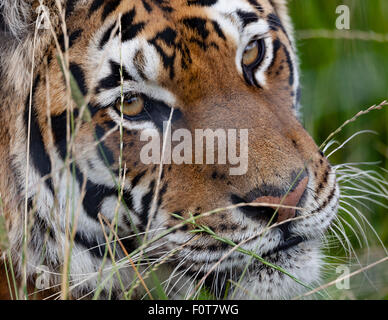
x: 341, y: 77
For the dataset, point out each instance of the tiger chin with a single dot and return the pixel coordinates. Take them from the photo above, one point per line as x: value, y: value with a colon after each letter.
x: 194, y: 64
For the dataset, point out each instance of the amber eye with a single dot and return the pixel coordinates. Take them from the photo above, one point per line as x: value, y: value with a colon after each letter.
x: 254, y: 53
x: 132, y: 106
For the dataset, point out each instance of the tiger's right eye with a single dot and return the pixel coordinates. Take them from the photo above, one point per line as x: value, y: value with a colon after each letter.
x: 252, y: 57
x: 254, y: 53
x: 131, y: 106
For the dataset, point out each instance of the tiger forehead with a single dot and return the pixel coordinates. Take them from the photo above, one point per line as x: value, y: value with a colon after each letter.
x: 196, y: 22
x: 201, y: 17
x: 176, y: 9
x: 185, y: 34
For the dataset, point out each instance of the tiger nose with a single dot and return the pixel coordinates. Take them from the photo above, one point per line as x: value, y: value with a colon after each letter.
x: 289, y: 200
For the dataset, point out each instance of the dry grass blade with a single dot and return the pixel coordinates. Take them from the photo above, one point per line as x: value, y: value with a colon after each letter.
x: 359, y: 114
x: 127, y: 255
x: 341, y: 34
x: 23, y: 286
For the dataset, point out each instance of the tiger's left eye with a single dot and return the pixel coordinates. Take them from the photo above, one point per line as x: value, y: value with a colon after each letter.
x: 132, y: 106
x: 254, y: 53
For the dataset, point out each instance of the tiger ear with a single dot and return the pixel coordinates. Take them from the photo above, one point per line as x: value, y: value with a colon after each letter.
x: 17, y: 27
x: 281, y: 9
x: 16, y: 17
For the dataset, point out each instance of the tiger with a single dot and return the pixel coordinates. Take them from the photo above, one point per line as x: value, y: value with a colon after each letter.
x: 137, y: 65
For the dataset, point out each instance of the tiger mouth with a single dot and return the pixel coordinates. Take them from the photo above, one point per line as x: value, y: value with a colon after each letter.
x: 285, y: 245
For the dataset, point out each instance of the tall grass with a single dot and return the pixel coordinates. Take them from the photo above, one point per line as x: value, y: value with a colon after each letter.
x: 336, y: 84
x: 342, y: 71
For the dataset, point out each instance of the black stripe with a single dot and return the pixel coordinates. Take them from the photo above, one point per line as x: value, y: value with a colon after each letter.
x: 94, y: 195
x: 290, y: 66
x: 127, y: 196
x: 59, y: 126
x: 72, y: 37
x: 137, y: 179
x: 146, y: 203
x: 200, y: 43
x: 130, y: 30
x: 256, y: 5
x: 70, y: 6
x: 30, y: 205
x: 79, y: 76
x: 109, y: 8
x: 106, y: 36
x: 40, y: 158
x: 168, y: 36
x: 113, y: 80
x: 186, y: 56
x: 218, y: 30
x: 247, y: 17
x: 3, y: 26
x: 204, y: 3
x: 111, y: 294
x: 110, y: 124
x: 127, y: 18
x: 162, y: 192
x: 147, y: 6
x: 164, y: 5
x: 276, y: 47
x: 159, y: 112
x: 128, y: 201
x: 130, y: 244
x: 97, y: 4
x: 275, y: 23
x: 93, y: 246
x: 104, y: 152
x: 198, y: 25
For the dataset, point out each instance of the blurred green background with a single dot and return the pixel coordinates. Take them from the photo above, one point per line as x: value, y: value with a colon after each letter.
x: 339, y: 78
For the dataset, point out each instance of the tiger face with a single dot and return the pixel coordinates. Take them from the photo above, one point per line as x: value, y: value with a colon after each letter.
x: 195, y: 65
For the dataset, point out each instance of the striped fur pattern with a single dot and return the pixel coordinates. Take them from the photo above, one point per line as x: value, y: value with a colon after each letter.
x: 181, y: 54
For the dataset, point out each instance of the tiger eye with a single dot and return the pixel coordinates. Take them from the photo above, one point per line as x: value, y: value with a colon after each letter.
x: 251, y: 53
x: 132, y: 106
